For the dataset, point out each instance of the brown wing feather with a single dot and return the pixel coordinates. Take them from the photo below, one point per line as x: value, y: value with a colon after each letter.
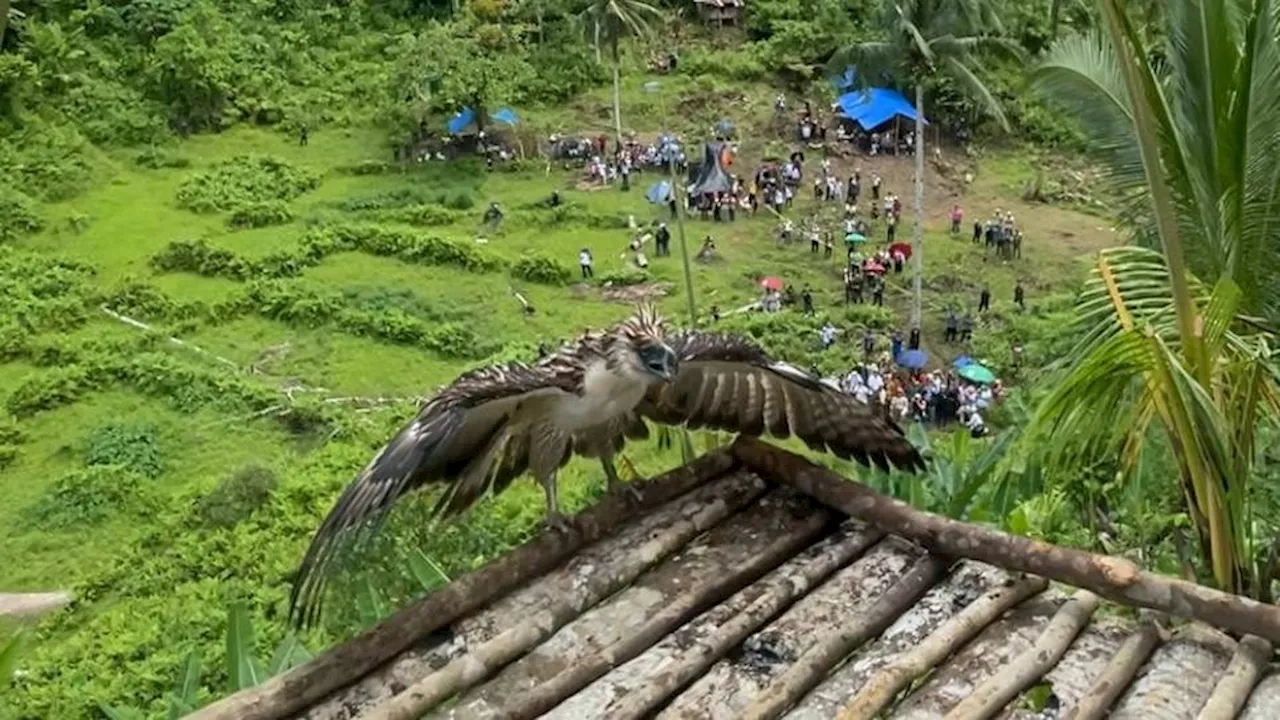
x: 729, y: 383
x: 465, y: 437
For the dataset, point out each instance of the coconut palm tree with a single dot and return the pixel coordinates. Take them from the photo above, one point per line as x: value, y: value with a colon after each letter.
x: 1175, y: 337
x: 924, y: 40
x: 607, y: 22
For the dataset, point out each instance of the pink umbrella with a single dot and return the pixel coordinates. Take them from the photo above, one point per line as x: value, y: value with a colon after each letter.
x: 771, y: 282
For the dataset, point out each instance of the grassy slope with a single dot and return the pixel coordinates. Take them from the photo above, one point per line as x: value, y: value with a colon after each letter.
x: 134, y: 216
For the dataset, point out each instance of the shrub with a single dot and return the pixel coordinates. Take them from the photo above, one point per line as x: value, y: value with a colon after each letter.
x: 260, y: 214
x: 8, y: 455
x: 60, y: 386
x: 424, y: 215
x: 236, y: 497
x: 197, y: 256
x: 18, y: 216
x: 243, y: 180
x: 542, y: 269
x: 89, y: 496
x: 871, y: 316
x: 11, y: 433
x: 623, y: 277
x: 158, y: 157
x: 135, y: 448
x: 460, y: 201
x: 368, y: 167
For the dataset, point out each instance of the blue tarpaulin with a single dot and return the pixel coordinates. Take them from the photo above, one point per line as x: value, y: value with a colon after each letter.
x: 874, y: 107
x: 871, y: 107
x: 466, y: 116
x: 459, y: 122
x: 506, y: 116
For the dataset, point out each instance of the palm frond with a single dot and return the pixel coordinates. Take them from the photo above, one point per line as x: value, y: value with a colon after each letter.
x: 978, y: 89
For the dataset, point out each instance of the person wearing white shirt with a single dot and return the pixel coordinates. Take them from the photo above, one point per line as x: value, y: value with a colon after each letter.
x: 584, y: 261
x: 828, y: 334
x: 874, y: 382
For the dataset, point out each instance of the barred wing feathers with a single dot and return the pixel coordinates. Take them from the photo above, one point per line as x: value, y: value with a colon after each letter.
x: 729, y: 383
x: 472, y: 436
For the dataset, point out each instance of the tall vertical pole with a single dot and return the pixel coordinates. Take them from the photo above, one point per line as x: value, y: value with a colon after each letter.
x: 677, y: 197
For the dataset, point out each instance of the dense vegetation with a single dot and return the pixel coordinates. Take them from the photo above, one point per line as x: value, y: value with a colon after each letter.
x: 206, y: 328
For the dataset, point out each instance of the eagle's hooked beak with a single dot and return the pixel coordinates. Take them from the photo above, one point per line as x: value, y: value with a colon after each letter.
x: 670, y: 363
x: 661, y: 362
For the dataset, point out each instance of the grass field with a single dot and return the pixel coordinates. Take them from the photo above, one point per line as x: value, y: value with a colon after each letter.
x: 140, y: 575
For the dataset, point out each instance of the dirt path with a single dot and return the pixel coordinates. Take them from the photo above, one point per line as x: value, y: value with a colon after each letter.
x: 29, y: 605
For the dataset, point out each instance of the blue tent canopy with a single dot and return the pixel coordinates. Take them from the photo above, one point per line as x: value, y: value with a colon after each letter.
x: 506, y: 116
x: 466, y: 116
x: 659, y: 193
x: 459, y: 122
x: 874, y: 107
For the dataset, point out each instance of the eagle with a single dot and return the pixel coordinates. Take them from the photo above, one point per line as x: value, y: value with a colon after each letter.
x: 491, y: 425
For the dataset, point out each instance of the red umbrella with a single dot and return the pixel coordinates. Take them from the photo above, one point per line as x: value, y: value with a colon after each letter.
x: 875, y: 268
x: 904, y: 248
x: 771, y: 282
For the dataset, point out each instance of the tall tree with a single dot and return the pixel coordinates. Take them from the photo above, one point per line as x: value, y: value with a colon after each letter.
x: 925, y: 40
x: 607, y: 22
x: 1190, y: 136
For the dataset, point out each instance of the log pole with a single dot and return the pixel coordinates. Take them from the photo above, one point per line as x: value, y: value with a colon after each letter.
x: 1115, y: 579
x: 546, y: 695
x: 1134, y: 651
x: 988, y: 698
x: 1233, y: 689
x: 817, y: 661
x: 881, y: 688
x: 286, y: 695
x: 713, y: 504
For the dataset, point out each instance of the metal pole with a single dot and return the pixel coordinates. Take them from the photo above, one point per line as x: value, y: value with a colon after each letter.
x: 678, y: 197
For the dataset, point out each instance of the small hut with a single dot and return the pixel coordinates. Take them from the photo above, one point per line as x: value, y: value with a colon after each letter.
x: 720, y: 13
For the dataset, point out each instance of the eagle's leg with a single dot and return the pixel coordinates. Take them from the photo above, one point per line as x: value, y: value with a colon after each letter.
x: 555, y: 520
x: 613, y: 482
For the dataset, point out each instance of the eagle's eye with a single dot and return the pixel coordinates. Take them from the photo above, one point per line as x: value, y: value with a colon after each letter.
x: 658, y: 360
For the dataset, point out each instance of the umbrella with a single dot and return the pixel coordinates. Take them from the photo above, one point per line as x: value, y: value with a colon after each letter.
x: 913, y: 359
x: 977, y: 373
x: 874, y: 268
x: 962, y: 361
x: 904, y: 248
x: 659, y: 193
x: 771, y: 283
x: 855, y: 238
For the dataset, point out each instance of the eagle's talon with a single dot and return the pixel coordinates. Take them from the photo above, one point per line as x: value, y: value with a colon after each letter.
x: 556, y: 522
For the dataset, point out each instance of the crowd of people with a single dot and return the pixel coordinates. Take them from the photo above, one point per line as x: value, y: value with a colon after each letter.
x: 938, y: 398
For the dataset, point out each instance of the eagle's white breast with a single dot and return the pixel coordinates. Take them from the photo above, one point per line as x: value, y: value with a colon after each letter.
x: 605, y: 395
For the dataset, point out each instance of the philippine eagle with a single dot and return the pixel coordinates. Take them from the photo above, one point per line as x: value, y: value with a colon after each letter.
x: 490, y: 425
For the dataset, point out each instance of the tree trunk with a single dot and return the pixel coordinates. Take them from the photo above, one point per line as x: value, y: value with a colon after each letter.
x: 917, y: 239
x: 1116, y: 579
x: 4, y: 19
x: 617, y: 95
x: 1055, y: 9
x: 285, y: 695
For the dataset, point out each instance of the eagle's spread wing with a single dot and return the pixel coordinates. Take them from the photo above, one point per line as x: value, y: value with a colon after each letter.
x: 729, y: 383
x: 469, y: 435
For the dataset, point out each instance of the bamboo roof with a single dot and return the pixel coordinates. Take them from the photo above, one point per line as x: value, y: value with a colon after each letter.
x: 736, y: 587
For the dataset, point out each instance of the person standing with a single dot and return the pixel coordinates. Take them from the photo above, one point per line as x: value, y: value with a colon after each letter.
x: 828, y: 246
x: 957, y: 217
x: 806, y: 299
x: 663, y: 240
x: 984, y: 299
x: 584, y: 262
x: 875, y: 187
x: 304, y: 134
x: 1019, y: 296
x: 877, y: 291
x: 977, y: 231
x: 891, y: 229
x: 966, y: 328
x: 913, y: 341
x: 868, y: 343
x: 953, y: 325
x: 895, y: 344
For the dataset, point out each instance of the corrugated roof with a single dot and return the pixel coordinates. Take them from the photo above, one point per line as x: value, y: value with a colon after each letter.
x: 732, y: 597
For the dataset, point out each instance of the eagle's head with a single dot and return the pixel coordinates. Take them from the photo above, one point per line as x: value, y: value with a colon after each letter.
x: 643, y: 347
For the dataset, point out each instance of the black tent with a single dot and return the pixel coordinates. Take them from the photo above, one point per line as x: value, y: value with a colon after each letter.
x: 711, y: 177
